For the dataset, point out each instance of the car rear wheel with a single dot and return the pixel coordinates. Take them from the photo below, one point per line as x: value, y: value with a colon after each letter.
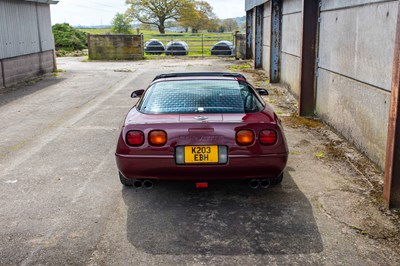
x: 124, y: 181
x: 276, y: 180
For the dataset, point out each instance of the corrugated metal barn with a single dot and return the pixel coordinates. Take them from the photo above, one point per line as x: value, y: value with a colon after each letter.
x: 337, y: 58
x: 26, y: 40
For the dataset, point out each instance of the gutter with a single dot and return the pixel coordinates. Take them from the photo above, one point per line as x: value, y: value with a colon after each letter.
x: 49, y: 2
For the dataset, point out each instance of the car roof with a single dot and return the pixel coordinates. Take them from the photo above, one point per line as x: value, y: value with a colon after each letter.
x: 200, y: 75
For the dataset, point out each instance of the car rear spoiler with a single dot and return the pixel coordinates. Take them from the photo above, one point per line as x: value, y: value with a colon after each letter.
x: 200, y: 74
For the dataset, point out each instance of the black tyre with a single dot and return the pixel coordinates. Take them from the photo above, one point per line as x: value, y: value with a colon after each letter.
x: 277, y: 180
x: 125, y: 181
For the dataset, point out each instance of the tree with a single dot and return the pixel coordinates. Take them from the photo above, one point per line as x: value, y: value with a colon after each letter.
x: 68, y: 38
x: 197, y: 15
x: 146, y: 27
x: 213, y: 25
x: 121, y: 24
x: 155, y: 12
x: 230, y: 25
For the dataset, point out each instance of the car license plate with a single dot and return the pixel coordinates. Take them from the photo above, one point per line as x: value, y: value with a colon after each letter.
x: 201, y: 154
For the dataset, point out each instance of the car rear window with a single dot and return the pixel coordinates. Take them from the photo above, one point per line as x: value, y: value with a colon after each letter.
x: 200, y: 96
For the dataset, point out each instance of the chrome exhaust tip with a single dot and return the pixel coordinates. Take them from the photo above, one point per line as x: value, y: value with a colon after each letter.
x: 265, y: 183
x: 137, y: 183
x: 254, y: 183
x: 148, y: 184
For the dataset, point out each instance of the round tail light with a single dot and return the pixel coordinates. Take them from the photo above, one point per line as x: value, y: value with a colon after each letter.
x: 268, y: 137
x: 244, y: 137
x: 157, y: 138
x: 135, y: 138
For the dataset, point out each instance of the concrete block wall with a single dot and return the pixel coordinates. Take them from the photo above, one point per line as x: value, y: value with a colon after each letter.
x: 115, y: 47
x: 47, y: 60
x: 22, y: 68
x: 267, y: 37
x: 240, y: 42
x: 291, y: 44
x: 356, y: 45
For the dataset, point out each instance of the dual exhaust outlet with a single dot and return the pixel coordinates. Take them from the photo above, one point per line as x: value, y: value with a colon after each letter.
x: 148, y: 184
x: 256, y: 183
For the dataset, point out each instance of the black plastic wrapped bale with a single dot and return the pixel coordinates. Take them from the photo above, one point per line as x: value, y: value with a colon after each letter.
x: 177, y: 48
x: 154, y: 46
x: 222, y: 48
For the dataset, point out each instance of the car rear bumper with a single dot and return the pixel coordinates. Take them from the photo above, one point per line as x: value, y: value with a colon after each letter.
x: 165, y: 168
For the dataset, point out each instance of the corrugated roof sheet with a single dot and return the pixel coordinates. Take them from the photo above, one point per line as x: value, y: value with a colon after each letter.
x: 43, y: 1
x: 250, y: 4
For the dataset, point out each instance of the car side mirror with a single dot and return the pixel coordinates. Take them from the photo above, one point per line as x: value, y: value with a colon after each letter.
x: 263, y: 92
x: 137, y: 93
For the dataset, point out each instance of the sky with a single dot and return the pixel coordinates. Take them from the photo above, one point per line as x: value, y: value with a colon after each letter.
x: 101, y: 12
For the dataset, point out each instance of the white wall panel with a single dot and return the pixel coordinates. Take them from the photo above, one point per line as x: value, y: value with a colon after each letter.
x: 291, y: 44
x: 19, y: 28
x: 267, y: 37
x: 46, y: 34
x: 334, y: 4
x: 291, y: 6
x: 359, y: 42
x: 291, y: 33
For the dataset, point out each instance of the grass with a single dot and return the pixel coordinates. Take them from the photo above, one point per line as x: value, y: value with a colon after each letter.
x: 298, y: 121
x: 320, y: 154
x: 97, y: 31
x: 235, y: 68
x: 154, y: 32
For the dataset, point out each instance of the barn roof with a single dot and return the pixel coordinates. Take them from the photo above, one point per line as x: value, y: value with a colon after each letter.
x: 250, y: 4
x: 43, y: 1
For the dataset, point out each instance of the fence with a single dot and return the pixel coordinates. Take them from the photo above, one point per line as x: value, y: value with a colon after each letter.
x: 134, y: 47
x: 189, y: 44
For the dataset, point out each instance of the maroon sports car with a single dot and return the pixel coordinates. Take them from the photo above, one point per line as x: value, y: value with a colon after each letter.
x: 201, y: 127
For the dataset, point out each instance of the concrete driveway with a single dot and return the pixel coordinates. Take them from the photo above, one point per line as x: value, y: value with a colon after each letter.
x: 62, y: 203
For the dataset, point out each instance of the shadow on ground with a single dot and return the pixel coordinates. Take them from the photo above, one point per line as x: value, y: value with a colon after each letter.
x: 226, y: 219
x: 23, y: 89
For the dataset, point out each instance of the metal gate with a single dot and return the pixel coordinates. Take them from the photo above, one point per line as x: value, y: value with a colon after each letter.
x: 195, y: 44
